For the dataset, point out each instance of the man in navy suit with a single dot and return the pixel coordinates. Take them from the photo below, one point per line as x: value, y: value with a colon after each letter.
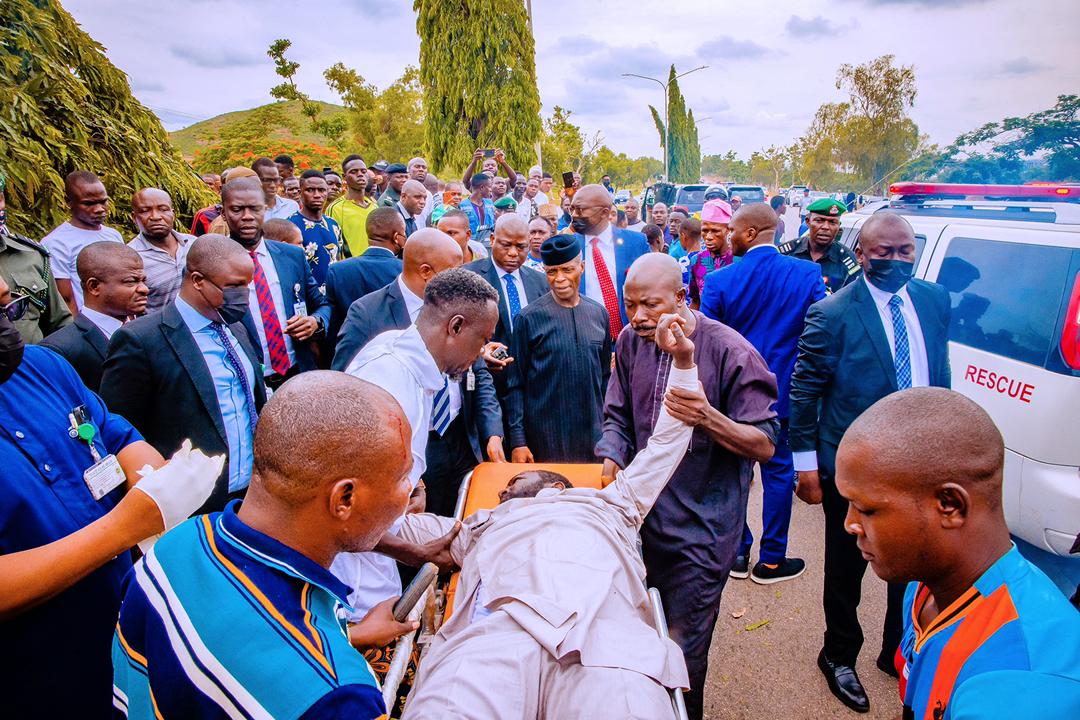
x: 882, y: 333
x: 286, y: 307
x: 349, y: 280
x: 765, y: 297
x: 477, y: 430
x: 191, y: 371
x: 609, y: 251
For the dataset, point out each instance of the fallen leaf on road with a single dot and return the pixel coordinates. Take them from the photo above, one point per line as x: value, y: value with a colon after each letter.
x: 758, y: 624
x: 738, y: 613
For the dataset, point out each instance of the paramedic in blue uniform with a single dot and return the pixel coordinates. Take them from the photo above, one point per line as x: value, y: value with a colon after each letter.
x: 765, y: 298
x: 63, y: 553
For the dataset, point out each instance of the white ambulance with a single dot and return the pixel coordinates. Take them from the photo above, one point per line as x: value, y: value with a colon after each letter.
x: 1010, y: 258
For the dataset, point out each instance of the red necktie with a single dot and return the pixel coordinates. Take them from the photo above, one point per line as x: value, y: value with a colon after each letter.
x: 607, y: 289
x: 275, y: 341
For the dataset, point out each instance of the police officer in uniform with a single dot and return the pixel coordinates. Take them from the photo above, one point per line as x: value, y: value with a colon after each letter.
x: 24, y: 266
x: 839, y: 266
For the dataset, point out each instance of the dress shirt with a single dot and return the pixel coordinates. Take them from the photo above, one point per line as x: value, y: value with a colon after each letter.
x: 105, y: 323
x: 406, y: 216
x: 398, y: 361
x: 284, y: 208
x: 413, y: 304
x: 164, y: 273
x: 920, y: 367
x: 283, y: 313
x: 515, y: 277
x: 607, y: 251
x: 232, y: 401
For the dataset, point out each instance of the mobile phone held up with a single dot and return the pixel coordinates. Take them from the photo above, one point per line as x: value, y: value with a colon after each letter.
x: 490, y: 152
x: 568, y: 179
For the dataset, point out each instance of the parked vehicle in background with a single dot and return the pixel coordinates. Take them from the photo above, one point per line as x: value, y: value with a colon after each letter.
x: 621, y: 196
x: 795, y: 195
x: 1010, y: 258
x: 691, y: 197
x: 748, y: 193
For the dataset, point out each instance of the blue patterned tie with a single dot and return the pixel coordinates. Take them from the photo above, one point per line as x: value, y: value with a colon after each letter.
x: 513, y: 297
x: 902, y: 358
x: 440, y: 409
x: 238, y: 368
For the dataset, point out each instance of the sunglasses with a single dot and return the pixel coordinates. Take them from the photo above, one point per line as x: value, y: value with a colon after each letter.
x: 15, y: 309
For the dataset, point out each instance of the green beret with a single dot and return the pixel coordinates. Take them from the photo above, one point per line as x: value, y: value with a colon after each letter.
x: 827, y: 206
x: 506, y: 203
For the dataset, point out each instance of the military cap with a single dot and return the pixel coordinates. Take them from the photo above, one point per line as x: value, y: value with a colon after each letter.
x: 395, y: 168
x: 380, y: 166
x: 506, y: 203
x: 827, y: 206
x: 560, y: 249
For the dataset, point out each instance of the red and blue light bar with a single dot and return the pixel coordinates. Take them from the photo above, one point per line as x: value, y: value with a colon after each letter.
x: 1061, y: 192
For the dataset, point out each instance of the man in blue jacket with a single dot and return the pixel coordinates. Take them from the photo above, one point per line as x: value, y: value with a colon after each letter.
x: 765, y: 298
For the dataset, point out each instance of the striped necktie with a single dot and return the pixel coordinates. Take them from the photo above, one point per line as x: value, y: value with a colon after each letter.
x: 902, y: 354
x: 440, y: 408
x: 275, y: 339
x: 238, y: 368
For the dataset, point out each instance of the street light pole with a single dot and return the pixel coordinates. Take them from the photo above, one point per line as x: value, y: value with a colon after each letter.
x: 667, y: 110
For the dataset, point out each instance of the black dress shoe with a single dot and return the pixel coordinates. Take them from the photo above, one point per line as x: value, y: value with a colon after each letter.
x: 844, y: 684
x: 885, y: 665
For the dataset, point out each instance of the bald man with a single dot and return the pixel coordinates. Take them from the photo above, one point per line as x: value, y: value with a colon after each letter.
x: 551, y: 617
x: 986, y: 634
x: 192, y: 370
x: 882, y: 333
x: 411, y: 205
x: 114, y: 291
x: 608, y: 251
x: 161, y: 247
x: 692, y: 534
x: 225, y: 597
x: 765, y: 298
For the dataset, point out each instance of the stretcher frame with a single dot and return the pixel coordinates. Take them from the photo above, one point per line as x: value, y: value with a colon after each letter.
x: 432, y: 610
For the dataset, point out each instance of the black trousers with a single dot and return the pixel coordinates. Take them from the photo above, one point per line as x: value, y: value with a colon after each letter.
x: 449, y: 457
x: 844, y: 570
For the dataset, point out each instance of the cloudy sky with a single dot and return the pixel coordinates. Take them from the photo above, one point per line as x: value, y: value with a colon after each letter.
x: 771, y: 63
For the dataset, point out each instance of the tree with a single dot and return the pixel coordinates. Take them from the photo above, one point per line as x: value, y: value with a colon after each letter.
x: 768, y: 165
x: 563, y: 143
x: 478, y: 72
x: 64, y: 107
x: 684, y: 153
x: 331, y: 128
x: 726, y: 168
x: 382, y: 125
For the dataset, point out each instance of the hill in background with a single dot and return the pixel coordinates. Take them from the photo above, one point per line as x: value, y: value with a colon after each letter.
x: 207, y: 132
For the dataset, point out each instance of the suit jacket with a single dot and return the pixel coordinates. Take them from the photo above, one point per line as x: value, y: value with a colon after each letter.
x: 155, y: 376
x: 845, y: 364
x: 536, y: 286
x: 297, y: 282
x: 84, y: 346
x: 629, y: 246
x: 765, y: 298
x: 383, y: 310
x: 354, y: 278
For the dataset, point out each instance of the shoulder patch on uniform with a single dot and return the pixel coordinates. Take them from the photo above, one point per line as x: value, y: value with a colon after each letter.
x: 22, y: 239
x: 850, y: 262
x: 787, y: 247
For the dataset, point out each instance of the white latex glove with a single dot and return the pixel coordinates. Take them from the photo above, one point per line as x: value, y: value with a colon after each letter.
x: 182, y: 484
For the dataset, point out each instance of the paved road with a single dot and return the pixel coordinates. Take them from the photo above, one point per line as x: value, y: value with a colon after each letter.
x: 771, y: 672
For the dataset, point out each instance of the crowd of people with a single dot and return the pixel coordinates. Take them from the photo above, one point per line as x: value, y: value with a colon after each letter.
x: 228, y: 448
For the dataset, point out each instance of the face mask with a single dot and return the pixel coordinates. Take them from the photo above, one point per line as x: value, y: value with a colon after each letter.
x: 890, y: 275
x: 3, y: 220
x: 11, y: 348
x: 579, y: 225
x: 235, y: 306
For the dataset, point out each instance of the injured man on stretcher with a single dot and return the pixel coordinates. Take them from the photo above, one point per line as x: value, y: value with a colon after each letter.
x: 552, y: 617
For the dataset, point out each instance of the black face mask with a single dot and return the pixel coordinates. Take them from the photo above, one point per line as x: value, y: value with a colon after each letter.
x: 890, y: 275
x: 11, y: 348
x: 235, y: 306
x: 579, y: 225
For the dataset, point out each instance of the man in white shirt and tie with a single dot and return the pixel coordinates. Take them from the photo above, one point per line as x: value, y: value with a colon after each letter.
x: 884, y: 333
x: 608, y: 251
x: 420, y: 367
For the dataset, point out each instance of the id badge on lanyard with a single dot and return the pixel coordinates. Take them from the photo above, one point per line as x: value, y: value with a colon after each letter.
x: 105, y: 475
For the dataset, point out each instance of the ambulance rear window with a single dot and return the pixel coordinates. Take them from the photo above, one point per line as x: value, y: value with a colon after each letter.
x: 1009, y: 298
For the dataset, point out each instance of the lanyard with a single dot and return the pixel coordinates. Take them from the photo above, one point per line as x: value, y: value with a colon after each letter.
x: 83, y: 431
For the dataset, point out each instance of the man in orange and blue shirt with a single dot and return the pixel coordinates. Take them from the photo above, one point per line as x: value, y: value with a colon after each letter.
x: 986, y: 634
x: 236, y: 614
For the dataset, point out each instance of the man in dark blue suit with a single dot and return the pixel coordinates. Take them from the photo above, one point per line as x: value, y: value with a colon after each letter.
x: 476, y: 430
x: 765, y: 297
x: 516, y: 284
x: 286, y: 307
x: 349, y: 280
x: 882, y: 333
x: 608, y: 251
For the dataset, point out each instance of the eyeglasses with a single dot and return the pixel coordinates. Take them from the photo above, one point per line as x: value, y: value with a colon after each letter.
x: 15, y: 309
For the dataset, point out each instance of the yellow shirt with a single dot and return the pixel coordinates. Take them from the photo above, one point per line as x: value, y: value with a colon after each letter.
x: 353, y: 221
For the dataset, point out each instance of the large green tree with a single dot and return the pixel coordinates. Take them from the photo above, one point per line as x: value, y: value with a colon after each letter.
x: 727, y: 167
x: 680, y: 140
x: 478, y: 71
x: 64, y: 107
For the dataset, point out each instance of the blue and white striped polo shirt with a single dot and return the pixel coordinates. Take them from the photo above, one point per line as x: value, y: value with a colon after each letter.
x: 221, y: 621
